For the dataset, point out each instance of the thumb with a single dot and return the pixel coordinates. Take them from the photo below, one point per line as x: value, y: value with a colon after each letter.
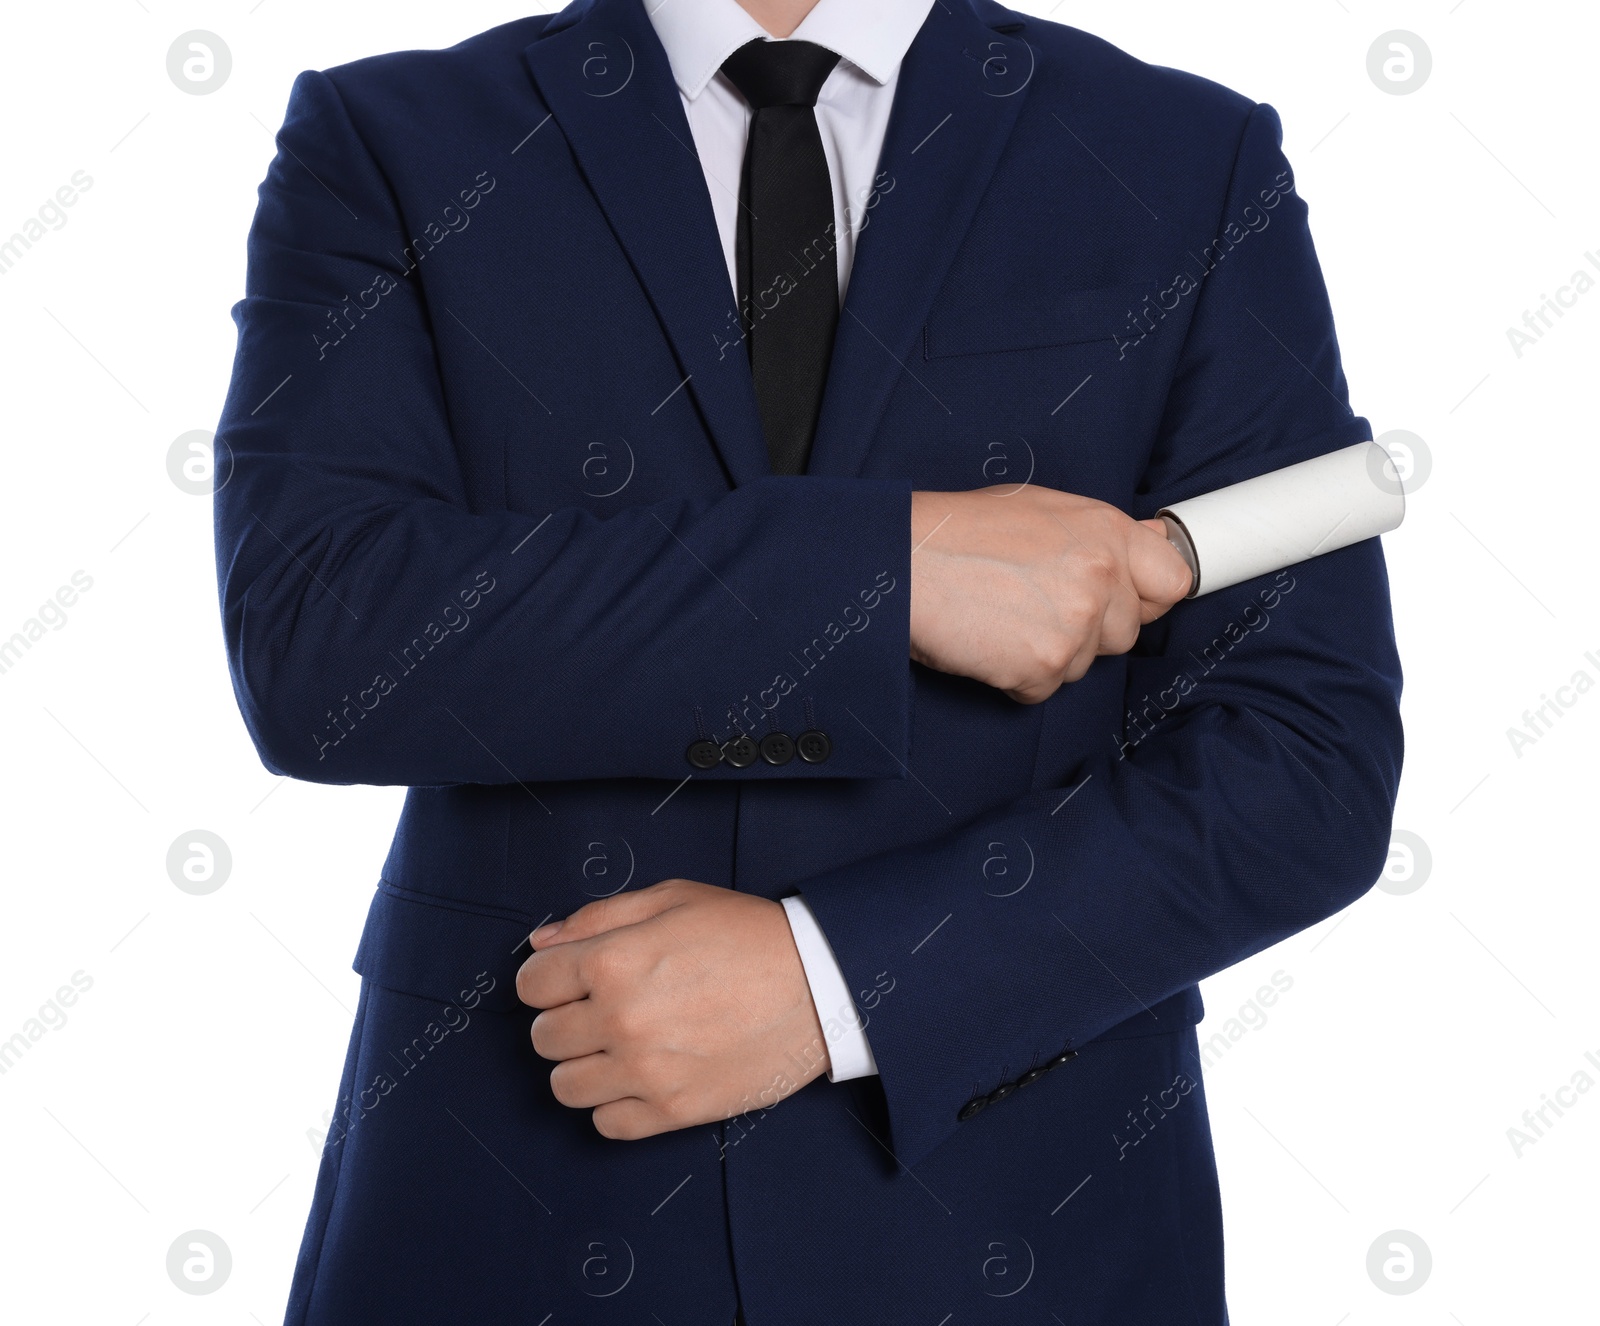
x: 605, y: 914
x: 1160, y: 573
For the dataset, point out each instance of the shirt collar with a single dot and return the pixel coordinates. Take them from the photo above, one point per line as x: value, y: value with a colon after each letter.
x: 700, y: 34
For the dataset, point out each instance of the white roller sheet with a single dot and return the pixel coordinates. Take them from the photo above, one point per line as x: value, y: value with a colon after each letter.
x: 1290, y: 515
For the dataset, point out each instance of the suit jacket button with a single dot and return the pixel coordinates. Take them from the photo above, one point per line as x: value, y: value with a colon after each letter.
x: 973, y: 1107
x: 1001, y: 1092
x: 1060, y: 1059
x: 740, y: 752
x: 1031, y: 1076
x: 705, y: 754
x: 777, y: 748
x: 814, y: 747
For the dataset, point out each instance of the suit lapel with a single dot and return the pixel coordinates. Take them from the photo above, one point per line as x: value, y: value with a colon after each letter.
x: 603, y: 73
x: 957, y: 98
x: 606, y: 79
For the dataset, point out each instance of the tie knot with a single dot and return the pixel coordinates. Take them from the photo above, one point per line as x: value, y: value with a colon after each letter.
x: 780, y: 73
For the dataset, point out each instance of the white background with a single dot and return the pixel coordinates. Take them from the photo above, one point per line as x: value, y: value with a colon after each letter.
x: 188, y: 1084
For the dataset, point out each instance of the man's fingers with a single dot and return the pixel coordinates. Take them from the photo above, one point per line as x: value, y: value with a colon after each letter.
x: 1159, y: 572
x: 1119, y: 628
x: 604, y: 914
x: 595, y: 1079
x: 629, y: 1119
x: 1084, y: 659
x: 551, y: 978
x: 568, y: 1031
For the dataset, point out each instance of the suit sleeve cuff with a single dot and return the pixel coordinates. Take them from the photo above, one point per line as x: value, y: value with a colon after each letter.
x: 849, y: 1055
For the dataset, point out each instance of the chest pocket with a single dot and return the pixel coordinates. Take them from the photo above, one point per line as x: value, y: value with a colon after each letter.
x: 1066, y: 317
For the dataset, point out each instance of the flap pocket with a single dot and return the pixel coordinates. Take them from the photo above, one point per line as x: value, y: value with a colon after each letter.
x: 437, y: 948
x: 1067, y: 317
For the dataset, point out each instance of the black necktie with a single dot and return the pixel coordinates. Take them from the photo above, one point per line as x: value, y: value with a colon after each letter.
x: 785, y: 247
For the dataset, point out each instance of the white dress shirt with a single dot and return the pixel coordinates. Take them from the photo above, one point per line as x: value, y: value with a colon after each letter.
x: 852, y: 114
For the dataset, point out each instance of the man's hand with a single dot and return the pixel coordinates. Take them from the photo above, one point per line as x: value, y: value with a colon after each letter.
x: 1022, y: 588
x: 671, y: 1006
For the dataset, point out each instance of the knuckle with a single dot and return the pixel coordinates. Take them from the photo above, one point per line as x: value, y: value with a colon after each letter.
x: 1079, y: 625
x: 595, y: 916
x: 606, y: 963
x: 1056, y: 657
x: 1112, y: 521
x: 1121, y: 636
x: 1042, y: 660
x: 1081, y: 609
x: 677, y: 1108
x: 1105, y: 573
x: 1037, y: 675
x: 656, y: 1077
x: 673, y: 893
x: 625, y: 1022
x: 621, y: 1025
x: 1034, y: 694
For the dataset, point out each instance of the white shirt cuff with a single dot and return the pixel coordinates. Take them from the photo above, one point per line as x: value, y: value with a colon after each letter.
x: 849, y: 1055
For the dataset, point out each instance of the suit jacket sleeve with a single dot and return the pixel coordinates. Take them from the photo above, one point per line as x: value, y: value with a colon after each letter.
x: 1249, y: 792
x: 382, y: 628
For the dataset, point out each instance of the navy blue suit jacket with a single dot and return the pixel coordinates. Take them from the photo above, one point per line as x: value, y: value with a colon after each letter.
x: 495, y: 523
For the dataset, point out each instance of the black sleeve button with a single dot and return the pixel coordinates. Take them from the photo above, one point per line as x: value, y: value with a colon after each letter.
x: 814, y: 747
x: 777, y: 748
x: 1064, y: 1057
x: 971, y: 1109
x: 705, y: 754
x: 1031, y: 1076
x: 1001, y: 1092
x: 740, y: 752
